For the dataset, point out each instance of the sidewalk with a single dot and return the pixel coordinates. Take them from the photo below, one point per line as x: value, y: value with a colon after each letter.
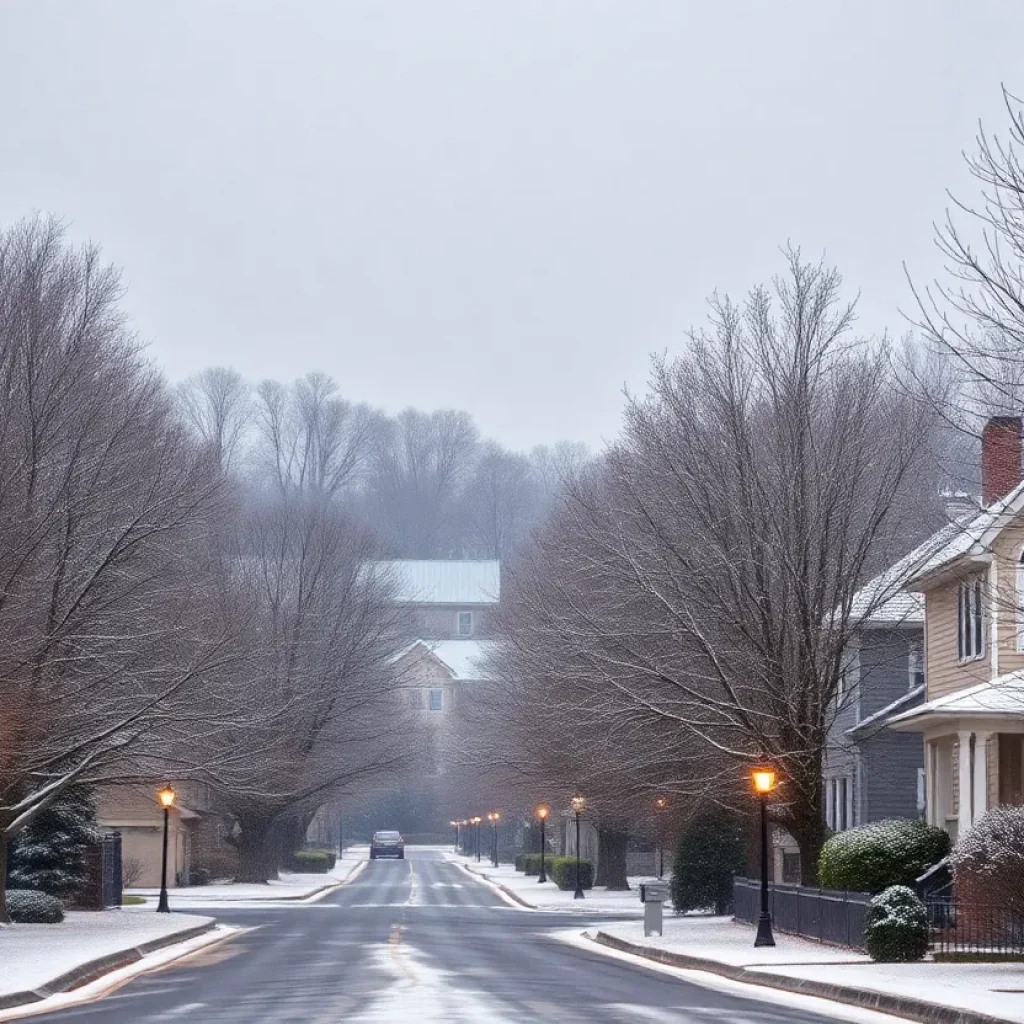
x: 528, y: 892
x: 40, y: 960
x: 926, y: 991
x: 290, y: 886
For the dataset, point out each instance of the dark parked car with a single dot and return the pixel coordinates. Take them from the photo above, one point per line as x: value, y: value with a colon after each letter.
x: 387, y: 844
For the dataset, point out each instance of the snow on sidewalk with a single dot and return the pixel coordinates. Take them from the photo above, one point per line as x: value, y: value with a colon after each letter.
x: 290, y: 886
x: 993, y: 989
x: 547, y: 895
x: 35, y: 955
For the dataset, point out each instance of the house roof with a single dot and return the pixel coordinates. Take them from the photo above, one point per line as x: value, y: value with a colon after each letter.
x: 444, y: 581
x: 1001, y: 696
x: 879, y: 719
x: 973, y: 537
x: 882, y: 601
x: 464, y: 659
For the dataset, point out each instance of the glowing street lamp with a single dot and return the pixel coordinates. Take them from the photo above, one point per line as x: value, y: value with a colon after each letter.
x: 660, y: 807
x: 493, y: 818
x: 476, y: 821
x: 764, y: 781
x: 542, y: 813
x: 578, y: 803
x: 166, y: 797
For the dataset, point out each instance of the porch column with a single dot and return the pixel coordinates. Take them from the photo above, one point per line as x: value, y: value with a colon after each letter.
x: 980, y: 773
x: 964, y: 783
x: 931, y: 788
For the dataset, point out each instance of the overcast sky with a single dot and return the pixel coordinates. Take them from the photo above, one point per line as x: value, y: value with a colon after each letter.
x: 497, y: 205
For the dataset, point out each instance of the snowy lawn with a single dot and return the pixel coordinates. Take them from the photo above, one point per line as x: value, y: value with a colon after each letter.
x: 547, y: 895
x: 33, y: 955
x: 994, y: 989
x: 290, y: 886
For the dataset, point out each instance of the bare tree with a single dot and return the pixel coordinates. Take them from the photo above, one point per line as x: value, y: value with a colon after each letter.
x: 700, y: 583
x: 310, y: 439
x: 217, y: 405
x: 502, y: 502
x: 104, y: 510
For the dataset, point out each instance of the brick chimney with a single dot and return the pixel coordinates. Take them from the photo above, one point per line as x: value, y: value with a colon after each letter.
x: 1000, y: 457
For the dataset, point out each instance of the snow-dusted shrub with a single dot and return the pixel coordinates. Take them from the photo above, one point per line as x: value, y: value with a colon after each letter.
x: 30, y: 906
x: 873, y: 857
x: 896, y: 926
x: 711, y: 850
x: 988, y: 861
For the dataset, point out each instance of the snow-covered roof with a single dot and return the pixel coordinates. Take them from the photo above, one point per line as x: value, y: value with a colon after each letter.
x: 973, y: 537
x: 876, y: 721
x: 1003, y: 695
x: 871, y: 605
x: 443, y: 581
x: 463, y: 658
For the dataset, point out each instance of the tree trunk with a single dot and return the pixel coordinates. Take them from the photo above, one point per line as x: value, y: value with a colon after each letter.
x: 4, y: 919
x: 255, y: 851
x: 611, y: 858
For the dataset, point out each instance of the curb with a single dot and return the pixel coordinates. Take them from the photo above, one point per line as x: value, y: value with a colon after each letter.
x: 900, y: 1006
x: 514, y: 896
x: 93, y: 969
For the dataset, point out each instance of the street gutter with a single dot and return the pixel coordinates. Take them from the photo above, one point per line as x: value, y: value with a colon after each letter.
x: 868, y: 999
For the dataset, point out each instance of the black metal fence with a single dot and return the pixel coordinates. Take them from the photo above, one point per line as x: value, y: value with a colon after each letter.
x: 969, y: 928
x: 822, y: 914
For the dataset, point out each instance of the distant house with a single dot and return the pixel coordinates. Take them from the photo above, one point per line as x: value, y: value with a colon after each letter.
x: 972, y: 720
x: 448, y: 599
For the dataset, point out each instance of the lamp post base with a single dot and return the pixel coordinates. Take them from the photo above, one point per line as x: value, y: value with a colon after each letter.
x: 764, y: 931
x: 542, y: 877
x: 162, y: 907
x: 578, y: 895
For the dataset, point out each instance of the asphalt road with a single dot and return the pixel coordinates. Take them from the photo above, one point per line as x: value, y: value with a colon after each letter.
x: 411, y: 941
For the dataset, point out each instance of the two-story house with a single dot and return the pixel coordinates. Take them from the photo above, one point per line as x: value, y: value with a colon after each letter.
x: 870, y: 772
x: 972, y: 719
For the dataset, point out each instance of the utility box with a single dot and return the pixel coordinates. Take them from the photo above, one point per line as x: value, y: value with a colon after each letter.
x: 653, y: 895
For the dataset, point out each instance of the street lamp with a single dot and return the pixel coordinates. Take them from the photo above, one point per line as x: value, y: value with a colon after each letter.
x: 660, y: 807
x: 493, y: 818
x: 578, y: 804
x: 166, y: 798
x: 476, y: 821
x: 455, y: 825
x: 764, y: 781
x: 466, y: 836
x: 542, y: 812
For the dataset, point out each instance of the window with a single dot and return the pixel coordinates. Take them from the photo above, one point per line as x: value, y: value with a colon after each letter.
x: 970, y: 621
x: 915, y: 665
x: 435, y: 700
x: 1020, y: 602
x: 922, y: 791
x: 465, y: 623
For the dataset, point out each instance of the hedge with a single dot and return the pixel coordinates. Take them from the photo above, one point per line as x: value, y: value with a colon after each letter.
x: 896, y: 926
x: 873, y: 857
x: 30, y: 906
x: 529, y: 863
x: 562, y: 871
x: 711, y: 851
x: 314, y: 862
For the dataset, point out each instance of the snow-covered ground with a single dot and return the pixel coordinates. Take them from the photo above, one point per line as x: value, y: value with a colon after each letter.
x: 290, y: 886
x: 994, y: 989
x: 34, y: 955
x: 547, y: 895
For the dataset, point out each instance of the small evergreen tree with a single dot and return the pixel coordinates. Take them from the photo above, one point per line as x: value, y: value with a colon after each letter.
x: 49, y: 854
x: 711, y: 850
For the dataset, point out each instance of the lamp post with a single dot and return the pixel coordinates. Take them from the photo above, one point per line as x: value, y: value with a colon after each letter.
x: 660, y: 807
x: 455, y: 826
x: 166, y: 798
x: 764, y: 783
x: 542, y: 814
x: 476, y: 821
x: 578, y: 804
x: 493, y: 818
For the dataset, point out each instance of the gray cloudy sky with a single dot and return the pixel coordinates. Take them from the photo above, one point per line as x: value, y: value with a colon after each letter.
x: 497, y: 205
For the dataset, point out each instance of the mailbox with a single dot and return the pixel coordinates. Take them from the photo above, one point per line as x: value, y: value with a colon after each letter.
x: 652, y: 896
